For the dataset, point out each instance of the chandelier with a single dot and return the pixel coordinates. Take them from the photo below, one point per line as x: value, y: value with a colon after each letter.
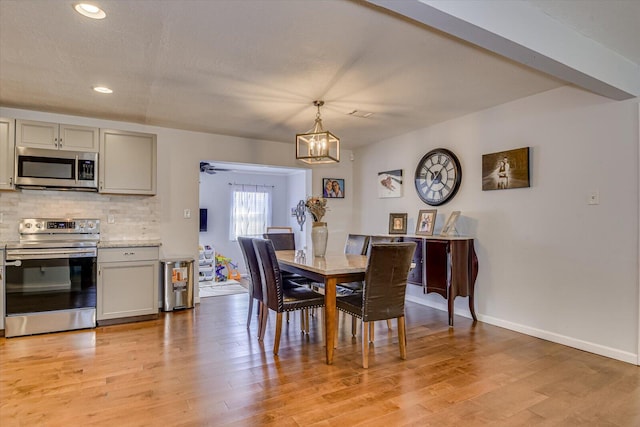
x: 317, y: 145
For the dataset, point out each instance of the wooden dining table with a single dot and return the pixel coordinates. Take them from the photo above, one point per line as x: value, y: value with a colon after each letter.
x: 331, y: 269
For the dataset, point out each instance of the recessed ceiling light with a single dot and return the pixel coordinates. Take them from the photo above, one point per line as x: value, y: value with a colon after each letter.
x: 102, y: 89
x: 89, y: 10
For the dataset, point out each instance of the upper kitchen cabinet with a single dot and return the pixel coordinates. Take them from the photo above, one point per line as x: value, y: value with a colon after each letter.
x: 127, y: 162
x: 55, y: 136
x: 7, y: 144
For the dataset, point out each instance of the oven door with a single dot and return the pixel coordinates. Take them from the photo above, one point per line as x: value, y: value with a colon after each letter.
x: 49, y: 290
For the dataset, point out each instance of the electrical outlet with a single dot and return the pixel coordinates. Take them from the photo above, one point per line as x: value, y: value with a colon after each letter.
x: 187, y: 213
x: 111, y: 219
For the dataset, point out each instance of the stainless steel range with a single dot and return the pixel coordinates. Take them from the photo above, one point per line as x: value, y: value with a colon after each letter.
x: 51, y: 276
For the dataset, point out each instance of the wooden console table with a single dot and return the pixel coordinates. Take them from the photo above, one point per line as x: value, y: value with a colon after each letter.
x: 447, y: 266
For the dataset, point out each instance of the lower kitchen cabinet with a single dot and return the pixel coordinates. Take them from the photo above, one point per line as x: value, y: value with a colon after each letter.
x: 127, y: 282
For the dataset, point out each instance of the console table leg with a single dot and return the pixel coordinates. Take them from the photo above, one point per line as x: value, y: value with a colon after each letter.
x: 472, y: 308
x: 450, y: 309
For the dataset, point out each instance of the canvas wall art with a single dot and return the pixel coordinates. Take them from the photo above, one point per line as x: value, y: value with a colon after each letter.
x: 389, y: 183
x: 505, y: 169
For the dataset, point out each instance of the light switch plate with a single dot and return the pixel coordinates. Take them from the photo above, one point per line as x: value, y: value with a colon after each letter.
x: 187, y: 213
x: 594, y: 198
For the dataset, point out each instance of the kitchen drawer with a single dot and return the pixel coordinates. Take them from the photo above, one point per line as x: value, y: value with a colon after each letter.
x: 128, y: 254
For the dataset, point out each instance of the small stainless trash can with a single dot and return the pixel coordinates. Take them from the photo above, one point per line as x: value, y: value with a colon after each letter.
x: 177, y: 284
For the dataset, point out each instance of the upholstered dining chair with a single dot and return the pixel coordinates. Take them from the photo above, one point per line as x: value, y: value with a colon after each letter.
x: 364, y: 250
x: 282, y: 241
x: 356, y: 244
x: 286, y: 242
x: 279, y: 229
x: 383, y: 293
x: 276, y: 297
x: 253, y: 270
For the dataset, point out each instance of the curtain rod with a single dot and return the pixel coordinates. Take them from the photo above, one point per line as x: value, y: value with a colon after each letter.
x: 252, y: 185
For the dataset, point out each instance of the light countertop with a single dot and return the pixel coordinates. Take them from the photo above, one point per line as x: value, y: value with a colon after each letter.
x: 128, y: 243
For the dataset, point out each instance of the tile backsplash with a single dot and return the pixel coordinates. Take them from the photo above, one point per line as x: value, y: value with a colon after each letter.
x: 136, y: 217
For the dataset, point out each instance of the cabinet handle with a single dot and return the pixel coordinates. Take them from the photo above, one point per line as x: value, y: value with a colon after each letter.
x: 60, y: 142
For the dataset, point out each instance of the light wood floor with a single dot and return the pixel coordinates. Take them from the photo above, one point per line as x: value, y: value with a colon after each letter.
x: 202, y: 367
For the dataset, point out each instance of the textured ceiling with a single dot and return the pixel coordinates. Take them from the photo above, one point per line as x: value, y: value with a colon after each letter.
x: 250, y: 68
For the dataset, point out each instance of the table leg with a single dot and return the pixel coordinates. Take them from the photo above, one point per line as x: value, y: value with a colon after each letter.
x: 329, y: 317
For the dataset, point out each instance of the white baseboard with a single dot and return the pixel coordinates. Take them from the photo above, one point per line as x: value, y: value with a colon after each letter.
x: 539, y: 333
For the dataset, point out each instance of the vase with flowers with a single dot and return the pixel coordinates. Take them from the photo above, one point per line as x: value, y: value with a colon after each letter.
x: 317, y: 207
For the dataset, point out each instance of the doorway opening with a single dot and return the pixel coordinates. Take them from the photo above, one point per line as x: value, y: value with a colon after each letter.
x: 221, y: 262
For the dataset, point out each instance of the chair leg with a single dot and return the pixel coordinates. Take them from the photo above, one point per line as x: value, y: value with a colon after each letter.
x: 353, y: 326
x: 276, y: 341
x: 306, y: 320
x: 264, y: 314
x: 402, y: 338
x: 365, y: 344
x: 372, y: 326
x: 335, y: 336
x: 389, y: 324
x: 250, y: 311
x: 287, y: 317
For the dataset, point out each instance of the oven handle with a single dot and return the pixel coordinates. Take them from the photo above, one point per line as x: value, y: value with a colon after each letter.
x: 49, y: 254
x: 17, y: 263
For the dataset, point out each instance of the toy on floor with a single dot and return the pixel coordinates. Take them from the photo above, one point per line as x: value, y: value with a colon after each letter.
x: 226, y: 269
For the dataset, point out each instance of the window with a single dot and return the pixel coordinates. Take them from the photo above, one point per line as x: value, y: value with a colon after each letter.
x: 250, y: 210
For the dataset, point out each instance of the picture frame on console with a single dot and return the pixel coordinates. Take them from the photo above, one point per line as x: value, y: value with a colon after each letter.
x: 426, y: 222
x: 450, y: 225
x: 397, y: 223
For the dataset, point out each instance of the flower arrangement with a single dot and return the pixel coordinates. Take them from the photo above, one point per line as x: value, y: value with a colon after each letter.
x: 317, y: 206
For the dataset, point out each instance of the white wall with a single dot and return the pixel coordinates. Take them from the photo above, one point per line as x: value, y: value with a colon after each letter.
x: 550, y: 264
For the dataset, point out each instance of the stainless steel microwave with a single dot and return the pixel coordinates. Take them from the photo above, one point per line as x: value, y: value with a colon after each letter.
x: 56, y: 169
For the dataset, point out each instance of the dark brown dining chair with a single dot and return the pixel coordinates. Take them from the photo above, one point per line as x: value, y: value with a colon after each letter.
x: 276, y: 297
x: 282, y: 241
x: 380, y: 239
x: 253, y: 270
x: 383, y: 293
x: 356, y: 244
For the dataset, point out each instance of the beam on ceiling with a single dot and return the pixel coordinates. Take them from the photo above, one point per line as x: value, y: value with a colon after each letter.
x: 523, y: 33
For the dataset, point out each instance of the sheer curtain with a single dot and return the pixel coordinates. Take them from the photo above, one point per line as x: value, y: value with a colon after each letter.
x: 250, y: 210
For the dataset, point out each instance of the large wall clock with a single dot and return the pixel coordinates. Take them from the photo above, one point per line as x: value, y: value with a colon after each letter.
x: 438, y: 177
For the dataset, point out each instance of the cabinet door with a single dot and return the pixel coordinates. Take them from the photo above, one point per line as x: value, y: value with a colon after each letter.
x: 78, y: 138
x: 127, y: 289
x: 30, y: 133
x: 7, y: 153
x: 127, y: 162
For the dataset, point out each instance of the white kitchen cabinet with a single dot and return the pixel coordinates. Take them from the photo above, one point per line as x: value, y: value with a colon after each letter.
x: 7, y: 153
x: 2, y: 288
x: 55, y: 136
x: 127, y: 282
x: 127, y: 162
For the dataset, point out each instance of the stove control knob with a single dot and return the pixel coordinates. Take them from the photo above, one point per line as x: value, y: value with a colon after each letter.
x: 91, y: 225
x: 28, y: 225
x: 38, y: 225
x: 81, y: 225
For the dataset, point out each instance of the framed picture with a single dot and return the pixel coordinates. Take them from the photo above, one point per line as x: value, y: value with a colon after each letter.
x: 506, y: 169
x: 333, y: 188
x: 389, y: 183
x: 450, y: 225
x: 398, y: 223
x: 426, y: 221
